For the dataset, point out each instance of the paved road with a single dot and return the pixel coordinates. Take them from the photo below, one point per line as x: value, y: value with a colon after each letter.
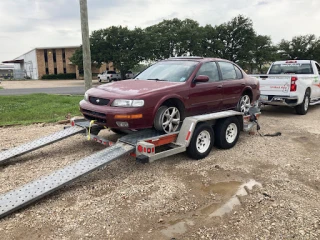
x: 54, y: 90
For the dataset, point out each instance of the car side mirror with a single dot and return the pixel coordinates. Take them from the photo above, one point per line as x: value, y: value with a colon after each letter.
x: 201, y: 78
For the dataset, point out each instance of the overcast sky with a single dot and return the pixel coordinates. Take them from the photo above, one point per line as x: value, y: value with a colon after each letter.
x: 27, y: 24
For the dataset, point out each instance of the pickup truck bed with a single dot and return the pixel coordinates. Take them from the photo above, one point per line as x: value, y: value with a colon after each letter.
x: 291, y: 83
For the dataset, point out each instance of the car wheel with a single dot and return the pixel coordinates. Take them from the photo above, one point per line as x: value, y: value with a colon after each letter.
x: 244, y: 104
x: 201, y: 142
x: 227, y: 132
x: 99, y: 79
x: 302, y: 109
x: 167, y: 119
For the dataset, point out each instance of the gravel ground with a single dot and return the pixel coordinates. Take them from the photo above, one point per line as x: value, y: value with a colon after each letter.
x: 174, y: 198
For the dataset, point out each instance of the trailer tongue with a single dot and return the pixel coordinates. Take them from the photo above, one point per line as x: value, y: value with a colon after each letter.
x: 195, y: 136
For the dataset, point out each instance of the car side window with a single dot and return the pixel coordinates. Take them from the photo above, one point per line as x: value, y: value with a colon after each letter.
x: 238, y: 72
x: 209, y: 69
x: 228, y: 71
x: 318, y: 67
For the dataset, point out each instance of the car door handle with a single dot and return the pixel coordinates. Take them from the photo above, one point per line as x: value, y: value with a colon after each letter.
x: 219, y: 86
x: 242, y: 84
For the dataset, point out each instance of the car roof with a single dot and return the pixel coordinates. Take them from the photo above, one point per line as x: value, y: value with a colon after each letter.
x: 195, y: 58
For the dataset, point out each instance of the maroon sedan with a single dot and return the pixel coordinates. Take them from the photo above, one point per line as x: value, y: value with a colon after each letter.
x: 168, y: 91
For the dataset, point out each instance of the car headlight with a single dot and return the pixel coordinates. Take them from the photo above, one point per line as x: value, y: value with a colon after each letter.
x: 127, y: 103
x: 86, y: 96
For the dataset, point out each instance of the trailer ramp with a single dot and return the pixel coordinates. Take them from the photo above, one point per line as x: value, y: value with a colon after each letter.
x: 41, y: 142
x: 18, y: 198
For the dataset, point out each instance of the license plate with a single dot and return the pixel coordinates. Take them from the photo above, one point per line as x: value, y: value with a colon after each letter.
x: 264, y: 97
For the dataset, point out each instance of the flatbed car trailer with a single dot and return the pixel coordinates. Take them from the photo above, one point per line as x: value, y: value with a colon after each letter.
x: 196, y: 136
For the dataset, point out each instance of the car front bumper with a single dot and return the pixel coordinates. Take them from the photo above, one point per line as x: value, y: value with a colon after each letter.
x: 105, y: 115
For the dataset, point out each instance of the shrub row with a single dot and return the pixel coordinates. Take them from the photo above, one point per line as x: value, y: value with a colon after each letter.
x: 59, y: 76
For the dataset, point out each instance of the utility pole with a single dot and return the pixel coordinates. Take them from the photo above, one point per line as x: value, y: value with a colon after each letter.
x: 85, y: 44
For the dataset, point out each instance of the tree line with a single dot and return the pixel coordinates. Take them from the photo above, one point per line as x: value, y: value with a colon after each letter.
x: 235, y: 40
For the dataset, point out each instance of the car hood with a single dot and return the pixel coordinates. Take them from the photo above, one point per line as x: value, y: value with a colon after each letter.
x: 131, y: 88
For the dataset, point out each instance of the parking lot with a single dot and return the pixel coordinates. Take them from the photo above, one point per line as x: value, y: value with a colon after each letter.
x: 175, y: 197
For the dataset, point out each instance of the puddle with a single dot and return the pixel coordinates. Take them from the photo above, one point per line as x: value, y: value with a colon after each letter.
x: 234, y: 200
x: 222, y: 188
x: 178, y: 228
x: 229, y: 190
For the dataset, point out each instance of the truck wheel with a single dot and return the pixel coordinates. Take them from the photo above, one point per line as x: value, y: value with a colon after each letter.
x: 302, y: 109
x: 227, y: 132
x: 201, y: 142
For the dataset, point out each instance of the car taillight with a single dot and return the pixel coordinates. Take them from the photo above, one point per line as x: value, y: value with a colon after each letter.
x: 293, y: 86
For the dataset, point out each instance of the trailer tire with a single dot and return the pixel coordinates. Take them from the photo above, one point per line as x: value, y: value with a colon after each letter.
x: 227, y: 132
x: 302, y: 109
x: 201, y: 142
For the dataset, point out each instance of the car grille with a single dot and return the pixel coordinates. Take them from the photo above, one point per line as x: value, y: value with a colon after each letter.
x: 91, y: 115
x: 98, y: 101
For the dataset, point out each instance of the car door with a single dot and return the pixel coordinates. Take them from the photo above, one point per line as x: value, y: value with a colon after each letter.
x: 315, y: 90
x: 233, y: 84
x: 205, y: 97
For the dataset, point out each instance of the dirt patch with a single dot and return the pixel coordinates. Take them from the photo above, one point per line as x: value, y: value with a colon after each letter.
x: 128, y: 200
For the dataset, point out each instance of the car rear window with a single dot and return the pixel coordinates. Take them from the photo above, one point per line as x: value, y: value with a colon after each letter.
x: 111, y: 72
x: 291, y: 68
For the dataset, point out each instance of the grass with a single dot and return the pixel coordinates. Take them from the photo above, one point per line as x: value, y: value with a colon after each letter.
x: 35, y: 108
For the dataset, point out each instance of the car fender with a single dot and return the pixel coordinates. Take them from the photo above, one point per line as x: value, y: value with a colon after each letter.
x: 163, y: 99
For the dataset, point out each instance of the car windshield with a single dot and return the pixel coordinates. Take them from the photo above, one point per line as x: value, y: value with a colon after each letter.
x: 291, y: 68
x: 171, y: 71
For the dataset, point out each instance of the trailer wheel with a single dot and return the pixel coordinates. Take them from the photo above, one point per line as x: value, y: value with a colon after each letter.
x: 201, y: 142
x: 227, y: 132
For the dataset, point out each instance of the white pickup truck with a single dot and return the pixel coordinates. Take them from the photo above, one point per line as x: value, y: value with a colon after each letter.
x: 294, y: 83
x: 109, y: 76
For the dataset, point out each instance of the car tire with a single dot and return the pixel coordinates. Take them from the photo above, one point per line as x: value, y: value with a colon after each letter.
x: 302, y: 109
x: 167, y: 119
x: 201, y: 142
x: 227, y: 132
x: 244, y: 103
x: 99, y: 79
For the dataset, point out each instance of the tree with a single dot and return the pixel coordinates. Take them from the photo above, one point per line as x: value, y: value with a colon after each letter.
x: 235, y: 39
x: 171, y: 38
x: 263, y: 52
x: 119, y: 45
x: 300, y: 47
x: 77, y: 58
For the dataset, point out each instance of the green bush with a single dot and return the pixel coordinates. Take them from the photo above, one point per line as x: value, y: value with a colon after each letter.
x: 59, y: 76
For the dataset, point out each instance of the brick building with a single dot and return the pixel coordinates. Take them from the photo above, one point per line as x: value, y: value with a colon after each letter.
x: 50, y: 60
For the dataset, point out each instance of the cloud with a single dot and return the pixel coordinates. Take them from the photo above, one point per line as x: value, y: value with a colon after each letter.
x: 26, y: 24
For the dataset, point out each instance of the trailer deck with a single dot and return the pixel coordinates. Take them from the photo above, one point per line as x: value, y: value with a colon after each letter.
x: 141, y: 143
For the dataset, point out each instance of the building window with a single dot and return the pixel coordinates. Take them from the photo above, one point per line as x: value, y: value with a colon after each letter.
x: 55, y: 71
x: 47, y: 70
x: 54, y: 55
x: 64, y: 70
x: 63, y: 55
x: 45, y: 56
